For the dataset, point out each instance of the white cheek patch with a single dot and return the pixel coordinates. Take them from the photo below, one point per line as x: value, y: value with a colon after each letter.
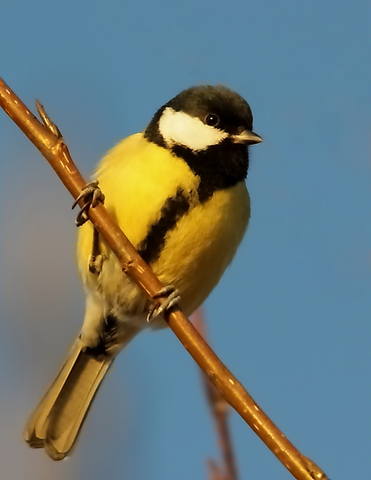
x: 183, y: 129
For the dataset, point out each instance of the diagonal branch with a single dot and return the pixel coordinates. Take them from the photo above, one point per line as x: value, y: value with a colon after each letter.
x: 49, y: 141
x: 219, y: 409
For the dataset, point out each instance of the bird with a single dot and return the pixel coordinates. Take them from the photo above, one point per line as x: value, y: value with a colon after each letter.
x: 178, y: 191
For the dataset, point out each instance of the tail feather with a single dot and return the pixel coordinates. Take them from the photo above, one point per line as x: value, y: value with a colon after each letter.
x: 57, y: 420
x: 73, y: 404
x: 35, y: 430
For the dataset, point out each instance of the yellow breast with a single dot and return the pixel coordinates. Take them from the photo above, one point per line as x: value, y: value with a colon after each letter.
x: 137, y: 177
x: 203, y: 243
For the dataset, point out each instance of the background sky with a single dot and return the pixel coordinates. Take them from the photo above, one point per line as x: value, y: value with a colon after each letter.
x: 291, y: 317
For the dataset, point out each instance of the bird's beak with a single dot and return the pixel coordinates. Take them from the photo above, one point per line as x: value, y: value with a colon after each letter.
x: 247, y: 137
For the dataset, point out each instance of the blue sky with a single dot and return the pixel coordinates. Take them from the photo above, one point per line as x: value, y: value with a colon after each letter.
x: 291, y: 317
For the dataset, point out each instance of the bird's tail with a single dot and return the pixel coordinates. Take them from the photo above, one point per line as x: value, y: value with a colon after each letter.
x: 58, y: 418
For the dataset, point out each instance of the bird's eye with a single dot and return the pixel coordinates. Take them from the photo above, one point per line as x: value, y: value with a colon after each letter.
x: 212, y: 119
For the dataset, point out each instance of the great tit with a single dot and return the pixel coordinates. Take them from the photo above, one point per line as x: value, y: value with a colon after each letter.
x: 178, y: 191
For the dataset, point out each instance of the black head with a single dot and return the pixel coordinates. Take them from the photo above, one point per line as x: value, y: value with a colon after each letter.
x: 210, y: 127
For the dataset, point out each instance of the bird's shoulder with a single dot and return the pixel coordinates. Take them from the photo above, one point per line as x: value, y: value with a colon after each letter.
x: 136, y: 160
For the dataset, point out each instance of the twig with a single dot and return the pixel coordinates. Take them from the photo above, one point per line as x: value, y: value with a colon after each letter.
x: 49, y: 141
x: 219, y: 410
x: 215, y: 472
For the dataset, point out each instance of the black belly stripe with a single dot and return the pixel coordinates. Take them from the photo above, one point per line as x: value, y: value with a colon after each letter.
x: 173, y: 209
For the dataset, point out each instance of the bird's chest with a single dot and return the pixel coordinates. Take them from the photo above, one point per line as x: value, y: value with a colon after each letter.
x: 190, y: 253
x: 187, y: 242
x: 202, y: 244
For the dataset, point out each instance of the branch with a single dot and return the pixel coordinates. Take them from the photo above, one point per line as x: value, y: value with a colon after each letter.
x: 215, y: 472
x: 47, y: 138
x: 219, y: 409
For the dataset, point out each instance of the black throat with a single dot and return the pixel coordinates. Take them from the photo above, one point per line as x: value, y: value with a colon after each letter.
x: 218, y: 167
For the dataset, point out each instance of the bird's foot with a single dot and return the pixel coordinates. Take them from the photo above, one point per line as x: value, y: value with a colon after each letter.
x: 172, y: 298
x: 92, y: 195
x: 95, y: 263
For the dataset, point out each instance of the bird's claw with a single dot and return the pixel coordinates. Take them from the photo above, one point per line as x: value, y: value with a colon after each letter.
x: 172, y: 299
x: 92, y: 195
x: 95, y: 263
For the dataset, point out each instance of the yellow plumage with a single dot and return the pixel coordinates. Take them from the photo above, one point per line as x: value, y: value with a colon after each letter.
x: 138, y: 177
x: 178, y: 192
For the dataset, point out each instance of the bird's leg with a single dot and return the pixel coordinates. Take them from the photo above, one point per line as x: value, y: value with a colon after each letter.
x: 96, y: 257
x: 92, y: 195
x: 172, y: 298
